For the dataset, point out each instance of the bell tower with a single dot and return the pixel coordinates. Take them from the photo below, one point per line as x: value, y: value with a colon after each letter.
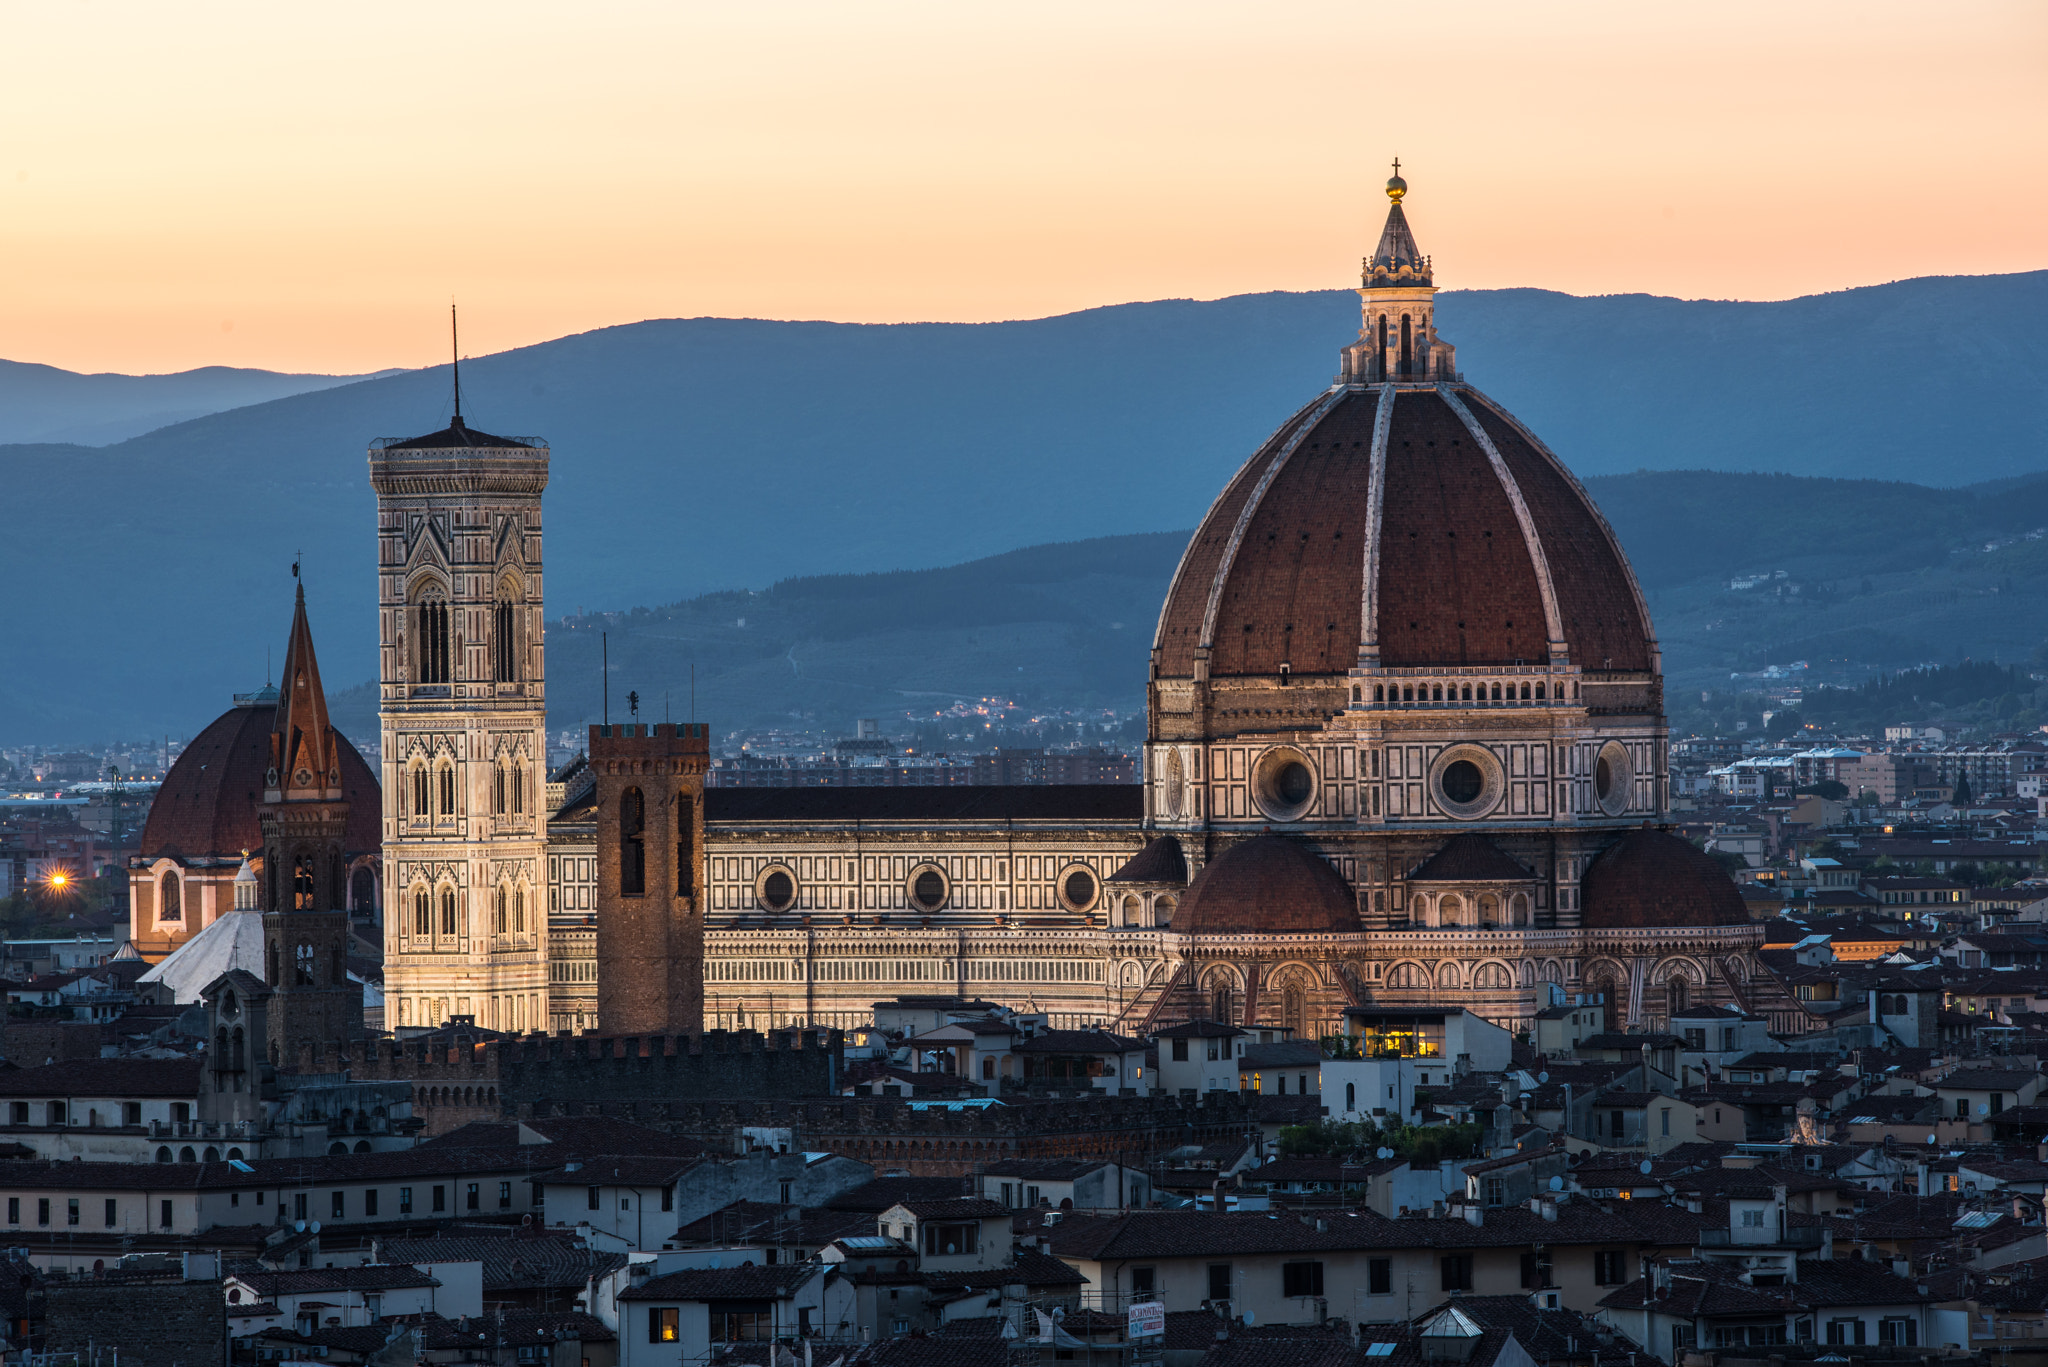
x: 304, y: 818
x: 463, y: 705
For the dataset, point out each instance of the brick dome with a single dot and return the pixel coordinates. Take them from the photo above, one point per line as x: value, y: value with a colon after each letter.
x: 1475, y: 560
x: 206, y: 808
x: 1267, y: 885
x: 1650, y: 880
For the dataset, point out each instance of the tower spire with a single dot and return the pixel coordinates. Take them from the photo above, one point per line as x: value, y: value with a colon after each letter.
x: 455, y: 351
x: 305, y: 758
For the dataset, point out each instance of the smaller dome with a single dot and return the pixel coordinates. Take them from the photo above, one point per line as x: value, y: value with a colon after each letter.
x: 1161, y: 861
x: 1267, y: 885
x: 1650, y: 879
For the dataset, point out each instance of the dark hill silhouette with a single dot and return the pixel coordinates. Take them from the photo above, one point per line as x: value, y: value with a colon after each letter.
x: 711, y: 454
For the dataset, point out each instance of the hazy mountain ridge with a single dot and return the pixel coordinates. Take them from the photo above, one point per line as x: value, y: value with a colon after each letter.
x: 707, y: 454
x: 41, y: 404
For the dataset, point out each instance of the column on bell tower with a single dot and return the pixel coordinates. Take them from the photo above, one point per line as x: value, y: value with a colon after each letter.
x: 463, y: 705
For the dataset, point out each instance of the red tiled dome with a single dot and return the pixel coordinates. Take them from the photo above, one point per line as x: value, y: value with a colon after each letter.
x: 1459, y: 583
x: 1267, y: 884
x: 207, y: 805
x: 1649, y: 879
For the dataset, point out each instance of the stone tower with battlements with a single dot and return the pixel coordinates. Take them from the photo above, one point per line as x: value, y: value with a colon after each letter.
x: 650, y: 872
x: 463, y: 703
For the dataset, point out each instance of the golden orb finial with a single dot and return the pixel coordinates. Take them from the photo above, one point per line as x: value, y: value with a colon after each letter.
x: 1396, y: 187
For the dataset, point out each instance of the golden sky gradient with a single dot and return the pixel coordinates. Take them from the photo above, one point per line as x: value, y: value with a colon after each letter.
x: 303, y: 187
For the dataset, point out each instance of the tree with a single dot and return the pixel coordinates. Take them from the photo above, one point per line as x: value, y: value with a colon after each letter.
x: 1828, y: 788
x: 1961, y: 796
x: 1966, y: 873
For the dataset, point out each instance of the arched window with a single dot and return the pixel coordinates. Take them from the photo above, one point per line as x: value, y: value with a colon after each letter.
x: 448, y: 911
x: 430, y: 626
x: 173, y: 909
x: 1407, y: 346
x: 447, y: 789
x: 303, y: 961
x: 1162, y: 913
x: 632, y: 844
x: 422, y: 912
x: 363, y: 892
x: 302, y: 883
x: 519, y: 910
x: 1675, y: 994
x: 1294, y: 1009
x: 419, y: 791
x: 1350, y: 1096
x: 501, y: 900
x: 1450, y: 910
x: 504, y: 636
x: 518, y: 778
x: 498, y: 788
x: 1539, y: 692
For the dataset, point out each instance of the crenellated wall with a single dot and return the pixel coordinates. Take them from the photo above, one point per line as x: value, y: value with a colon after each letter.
x: 462, y: 1079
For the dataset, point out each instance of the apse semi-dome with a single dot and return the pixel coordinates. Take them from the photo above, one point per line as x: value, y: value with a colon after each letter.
x: 1652, y: 880
x: 1267, y: 885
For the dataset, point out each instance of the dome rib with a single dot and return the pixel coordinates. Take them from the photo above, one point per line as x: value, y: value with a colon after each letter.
x: 1553, y: 621
x: 1655, y: 663
x: 1297, y: 422
x: 1228, y: 560
x: 1375, y: 504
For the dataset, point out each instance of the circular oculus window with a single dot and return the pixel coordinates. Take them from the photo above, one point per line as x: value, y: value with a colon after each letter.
x: 1284, y: 784
x: 775, y: 889
x: 1077, y: 888
x: 1613, y: 778
x: 928, y: 889
x: 1467, y: 781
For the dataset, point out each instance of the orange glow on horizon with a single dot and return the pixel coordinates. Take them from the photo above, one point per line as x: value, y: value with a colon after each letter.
x: 299, y: 189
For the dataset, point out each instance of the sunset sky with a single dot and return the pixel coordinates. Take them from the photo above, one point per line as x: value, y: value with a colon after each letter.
x: 303, y: 188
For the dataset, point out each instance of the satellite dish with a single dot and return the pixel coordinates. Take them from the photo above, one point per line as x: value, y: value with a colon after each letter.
x: 1930, y: 1139
x: 301, y: 1225
x: 1983, y: 1108
x: 1384, y: 1152
x: 1542, y: 1077
x: 1557, y: 1184
x: 316, y: 1226
x: 1644, y: 1167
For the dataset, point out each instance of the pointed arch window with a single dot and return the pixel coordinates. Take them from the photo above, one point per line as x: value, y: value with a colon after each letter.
x: 422, y: 912
x: 501, y: 900
x: 518, y: 782
x: 431, y: 653
x: 632, y: 844
x: 498, y: 789
x: 505, y: 634
x: 447, y: 790
x: 420, y: 806
x: 448, y: 911
x: 302, y: 883
x: 519, y: 910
